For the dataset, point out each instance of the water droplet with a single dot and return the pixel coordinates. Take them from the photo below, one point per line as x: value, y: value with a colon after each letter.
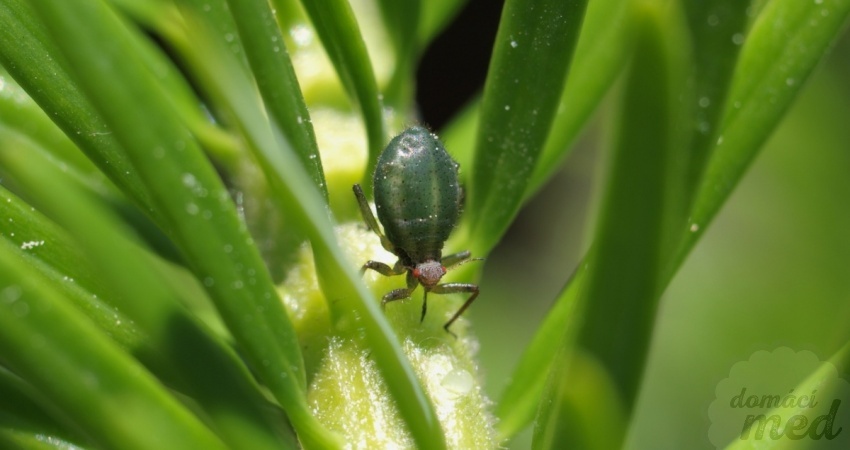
x: 188, y: 180
x: 228, y: 248
x: 10, y: 294
x: 713, y: 20
x: 738, y: 38
x: 302, y: 35
x: 704, y: 102
x: 790, y: 81
x: 20, y: 309
x: 514, y: 44
x: 458, y: 382
x: 507, y: 107
x: 192, y: 209
x: 31, y: 244
x: 694, y: 228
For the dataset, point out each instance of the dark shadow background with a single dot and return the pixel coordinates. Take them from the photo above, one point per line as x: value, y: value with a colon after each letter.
x: 453, y: 68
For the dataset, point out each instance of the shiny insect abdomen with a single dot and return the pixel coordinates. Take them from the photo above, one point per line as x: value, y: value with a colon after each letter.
x: 417, y: 195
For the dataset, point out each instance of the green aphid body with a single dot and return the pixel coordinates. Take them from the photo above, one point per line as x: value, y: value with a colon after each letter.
x: 418, y: 198
x: 417, y: 195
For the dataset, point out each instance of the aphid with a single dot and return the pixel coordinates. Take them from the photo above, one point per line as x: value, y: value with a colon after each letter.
x: 418, y: 197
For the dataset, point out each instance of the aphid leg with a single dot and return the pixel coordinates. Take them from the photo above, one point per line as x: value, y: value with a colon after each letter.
x: 456, y: 259
x: 452, y: 288
x: 403, y: 293
x: 369, y: 218
x: 396, y: 294
x: 382, y: 268
x: 424, y: 306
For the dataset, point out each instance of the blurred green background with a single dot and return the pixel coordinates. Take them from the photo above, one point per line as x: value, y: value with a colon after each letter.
x: 769, y: 272
x: 773, y: 269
